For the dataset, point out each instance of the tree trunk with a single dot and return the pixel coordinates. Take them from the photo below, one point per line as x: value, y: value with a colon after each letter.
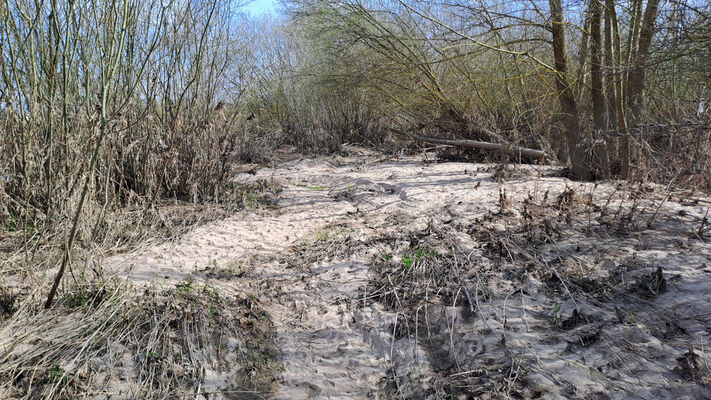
x: 598, y: 101
x: 610, y: 66
x: 602, y: 164
x: 582, y: 72
x: 639, y: 60
x: 633, y: 34
x: 571, y: 119
x: 624, y: 154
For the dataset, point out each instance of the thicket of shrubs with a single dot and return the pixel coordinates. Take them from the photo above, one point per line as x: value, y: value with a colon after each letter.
x: 126, y: 103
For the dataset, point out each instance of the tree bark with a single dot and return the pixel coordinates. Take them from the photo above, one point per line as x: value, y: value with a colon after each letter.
x: 584, y: 49
x: 633, y: 34
x: 639, y: 60
x: 624, y: 150
x: 598, y: 100
x: 610, y: 66
x: 602, y: 163
x: 571, y: 119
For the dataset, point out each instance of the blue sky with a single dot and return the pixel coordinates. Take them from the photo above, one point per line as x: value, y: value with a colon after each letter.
x: 258, y: 7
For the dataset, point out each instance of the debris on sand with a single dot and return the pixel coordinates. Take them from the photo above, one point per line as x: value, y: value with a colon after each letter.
x: 689, y: 366
x: 651, y: 285
x: 399, y: 278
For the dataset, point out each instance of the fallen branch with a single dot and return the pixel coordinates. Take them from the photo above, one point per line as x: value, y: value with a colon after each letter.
x: 523, y: 151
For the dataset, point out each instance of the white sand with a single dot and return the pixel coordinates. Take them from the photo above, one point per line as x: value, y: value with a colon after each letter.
x: 336, y: 346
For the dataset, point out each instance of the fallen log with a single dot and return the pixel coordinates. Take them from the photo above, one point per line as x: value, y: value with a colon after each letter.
x: 523, y: 151
x: 474, y: 144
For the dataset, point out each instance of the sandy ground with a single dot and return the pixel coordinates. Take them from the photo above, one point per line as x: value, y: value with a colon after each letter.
x: 507, y: 336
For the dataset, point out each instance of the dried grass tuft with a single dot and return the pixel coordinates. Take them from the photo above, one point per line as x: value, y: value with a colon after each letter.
x: 115, y: 340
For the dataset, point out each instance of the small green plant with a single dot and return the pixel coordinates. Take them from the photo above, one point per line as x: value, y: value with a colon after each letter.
x: 249, y: 195
x: 57, y: 374
x: 321, y: 236
x: 84, y: 295
x: 186, y: 286
x: 153, y: 356
x: 13, y: 222
x: 423, y: 252
x: 556, y: 313
x: 407, y: 261
x: 250, y: 199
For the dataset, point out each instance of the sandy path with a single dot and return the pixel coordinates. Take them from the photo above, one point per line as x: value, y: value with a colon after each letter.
x: 323, y: 353
x: 329, y: 350
x: 333, y: 349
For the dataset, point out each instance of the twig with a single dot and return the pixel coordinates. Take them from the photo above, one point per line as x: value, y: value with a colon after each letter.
x: 700, y: 232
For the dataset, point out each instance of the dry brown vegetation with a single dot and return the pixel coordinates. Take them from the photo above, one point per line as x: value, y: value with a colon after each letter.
x: 111, y: 342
